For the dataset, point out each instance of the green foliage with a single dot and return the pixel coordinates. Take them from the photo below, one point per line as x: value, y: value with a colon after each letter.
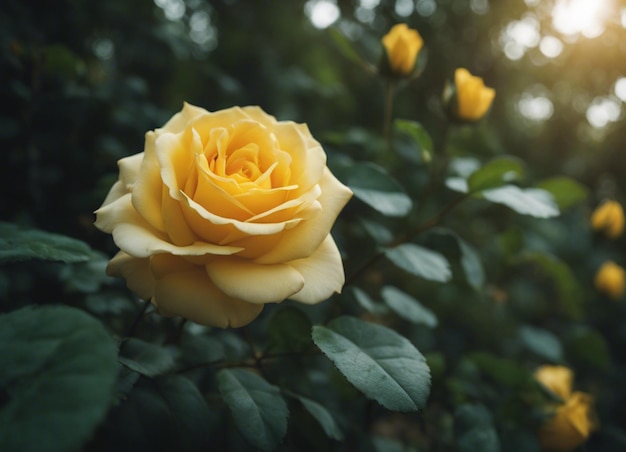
x: 372, y: 185
x: 382, y: 364
x: 145, y: 358
x: 258, y: 409
x: 322, y: 416
x: 17, y: 244
x: 407, y: 307
x: 58, y: 370
x: 420, y: 261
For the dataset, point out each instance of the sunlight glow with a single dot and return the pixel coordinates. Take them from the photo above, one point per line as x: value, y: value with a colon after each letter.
x: 602, y: 111
x: 535, y: 108
x: 587, y: 17
x: 322, y: 13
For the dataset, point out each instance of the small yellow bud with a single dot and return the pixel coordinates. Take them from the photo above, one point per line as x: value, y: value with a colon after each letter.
x: 610, y: 280
x: 402, y: 44
x: 473, y: 97
x: 570, y: 426
x: 609, y: 218
x: 557, y: 379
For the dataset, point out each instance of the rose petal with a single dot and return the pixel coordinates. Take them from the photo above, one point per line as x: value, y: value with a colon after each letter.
x: 148, y: 186
x: 302, y: 240
x: 132, y: 234
x: 252, y: 282
x: 323, y: 273
x: 181, y: 119
x: 175, y: 225
x: 191, y: 295
x: 135, y: 271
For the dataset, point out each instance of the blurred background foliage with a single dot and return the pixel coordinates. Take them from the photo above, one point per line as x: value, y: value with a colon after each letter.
x: 83, y: 81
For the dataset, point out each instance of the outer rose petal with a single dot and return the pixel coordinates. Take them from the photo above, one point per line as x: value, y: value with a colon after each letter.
x: 178, y: 122
x: 132, y: 234
x: 135, y: 271
x: 252, y: 282
x: 193, y: 296
x: 306, y: 237
x: 323, y: 273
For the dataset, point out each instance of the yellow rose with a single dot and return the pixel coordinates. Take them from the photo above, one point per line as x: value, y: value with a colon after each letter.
x: 224, y: 212
x: 402, y: 45
x: 557, y: 379
x: 610, y: 280
x: 473, y: 98
x: 609, y: 218
x: 570, y: 425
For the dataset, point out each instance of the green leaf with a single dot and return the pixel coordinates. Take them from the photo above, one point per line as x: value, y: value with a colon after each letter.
x: 258, y: 409
x: 588, y: 348
x: 502, y: 370
x: 419, y: 134
x: 378, y: 361
x: 372, y: 185
x: 420, y: 261
x: 188, y: 411
x: 146, y: 358
x: 18, y: 244
x: 365, y: 301
x: 289, y: 330
x: 345, y: 46
x: 529, y: 201
x: 567, y: 287
x: 474, y: 430
x: 58, y: 370
x: 541, y: 342
x: 566, y: 192
x: 408, y: 307
x: 472, y: 265
x: 323, y: 416
x: 495, y: 173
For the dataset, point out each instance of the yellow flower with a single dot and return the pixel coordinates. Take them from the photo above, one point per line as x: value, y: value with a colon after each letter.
x: 609, y: 218
x: 570, y: 426
x: 224, y: 212
x: 610, y: 280
x: 402, y: 45
x: 473, y: 97
x: 557, y: 379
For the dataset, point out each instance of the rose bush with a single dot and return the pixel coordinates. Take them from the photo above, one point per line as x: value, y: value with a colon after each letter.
x: 224, y: 212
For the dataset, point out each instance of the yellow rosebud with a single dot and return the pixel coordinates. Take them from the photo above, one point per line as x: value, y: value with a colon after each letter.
x: 473, y: 97
x: 609, y: 218
x: 610, y: 280
x: 557, y: 379
x: 570, y: 426
x: 402, y: 45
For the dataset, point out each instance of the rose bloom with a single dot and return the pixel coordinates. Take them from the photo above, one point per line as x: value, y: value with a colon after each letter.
x: 569, y: 426
x: 473, y: 98
x: 402, y: 45
x: 224, y: 212
x: 610, y: 280
x: 609, y: 218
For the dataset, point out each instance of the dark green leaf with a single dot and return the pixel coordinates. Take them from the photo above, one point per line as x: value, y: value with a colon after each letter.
x: 420, y: 261
x: 495, y: 173
x: 58, y: 369
x: 365, y: 301
x: 541, y: 342
x: 323, y: 416
x: 200, y: 349
x: 289, y: 330
x: 18, y: 244
x: 419, y: 134
x: 408, y: 307
x: 588, y: 347
x: 188, y: 412
x: 382, y: 364
x: 258, y: 409
x: 146, y: 358
x: 565, y: 191
x: 503, y: 370
x: 472, y: 265
x: 474, y: 430
x: 529, y: 201
x: 372, y: 185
